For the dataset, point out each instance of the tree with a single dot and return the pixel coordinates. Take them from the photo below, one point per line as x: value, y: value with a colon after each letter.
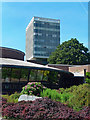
x: 70, y: 52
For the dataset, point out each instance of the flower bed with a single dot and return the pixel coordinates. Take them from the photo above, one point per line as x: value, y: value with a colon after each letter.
x: 43, y: 109
x: 33, y: 88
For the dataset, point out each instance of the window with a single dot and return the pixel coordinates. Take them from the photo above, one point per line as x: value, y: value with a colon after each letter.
x: 47, y: 35
x: 54, y: 35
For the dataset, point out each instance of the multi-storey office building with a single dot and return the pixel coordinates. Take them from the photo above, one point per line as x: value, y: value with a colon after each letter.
x: 42, y: 38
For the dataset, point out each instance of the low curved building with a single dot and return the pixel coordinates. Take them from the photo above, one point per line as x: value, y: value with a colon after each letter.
x: 11, y: 53
x: 16, y: 73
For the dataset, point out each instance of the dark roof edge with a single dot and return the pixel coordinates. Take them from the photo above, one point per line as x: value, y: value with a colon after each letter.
x: 39, y: 68
x: 68, y: 65
x: 6, y: 48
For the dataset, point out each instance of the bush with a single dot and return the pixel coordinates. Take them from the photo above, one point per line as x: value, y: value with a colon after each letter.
x: 33, y: 88
x: 75, y: 96
x: 85, y: 112
x: 3, y: 100
x: 42, y: 109
x: 87, y: 77
x: 13, y: 98
x: 54, y: 95
x: 80, y: 97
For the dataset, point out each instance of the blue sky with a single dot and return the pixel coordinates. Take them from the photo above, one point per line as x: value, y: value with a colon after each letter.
x: 17, y: 15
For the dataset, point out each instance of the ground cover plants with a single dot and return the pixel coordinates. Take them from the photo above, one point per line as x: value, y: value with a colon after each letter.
x: 43, y: 109
x: 70, y: 103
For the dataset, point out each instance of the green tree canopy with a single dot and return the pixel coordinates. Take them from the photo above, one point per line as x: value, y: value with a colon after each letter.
x: 70, y: 52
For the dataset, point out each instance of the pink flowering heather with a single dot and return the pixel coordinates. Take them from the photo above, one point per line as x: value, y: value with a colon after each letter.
x: 29, y: 83
x: 34, y: 85
x: 31, y: 87
x: 44, y: 87
x: 33, y: 82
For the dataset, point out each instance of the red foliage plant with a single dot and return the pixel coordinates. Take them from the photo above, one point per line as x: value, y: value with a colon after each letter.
x: 43, y: 109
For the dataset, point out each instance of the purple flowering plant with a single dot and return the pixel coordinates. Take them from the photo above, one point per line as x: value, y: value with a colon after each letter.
x: 33, y: 88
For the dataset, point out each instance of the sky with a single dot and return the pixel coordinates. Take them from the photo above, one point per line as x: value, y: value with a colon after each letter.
x: 17, y: 15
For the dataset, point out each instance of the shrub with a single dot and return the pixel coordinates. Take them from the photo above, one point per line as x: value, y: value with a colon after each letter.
x: 54, y: 95
x: 13, y: 98
x: 87, y: 77
x: 85, y: 112
x: 7, y: 97
x: 80, y: 97
x: 33, y: 88
x: 75, y: 96
x: 3, y: 100
x: 42, y: 109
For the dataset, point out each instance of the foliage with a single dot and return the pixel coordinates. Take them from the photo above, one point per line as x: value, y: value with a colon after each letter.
x: 33, y: 88
x: 42, y: 109
x: 85, y: 112
x: 70, y: 52
x: 75, y: 96
x: 3, y: 100
x: 79, y: 96
x: 13, y: 98
x: 87, y: 77
x: 54, y: 95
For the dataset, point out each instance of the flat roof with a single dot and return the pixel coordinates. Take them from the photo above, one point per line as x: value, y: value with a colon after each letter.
x: 6, y: 62
x: 68, y: 65
x: 46, y: 19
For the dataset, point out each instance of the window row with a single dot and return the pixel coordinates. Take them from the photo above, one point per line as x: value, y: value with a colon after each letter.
x: 39, y: 54
x: 36, y: 47
x: 22, y: 75
x: 46, y: 35
x: 45, y: 31
x: 47, y: 24
x: 47, y: 43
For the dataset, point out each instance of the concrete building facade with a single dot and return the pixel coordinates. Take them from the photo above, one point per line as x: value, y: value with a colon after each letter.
x: 42, y: 38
